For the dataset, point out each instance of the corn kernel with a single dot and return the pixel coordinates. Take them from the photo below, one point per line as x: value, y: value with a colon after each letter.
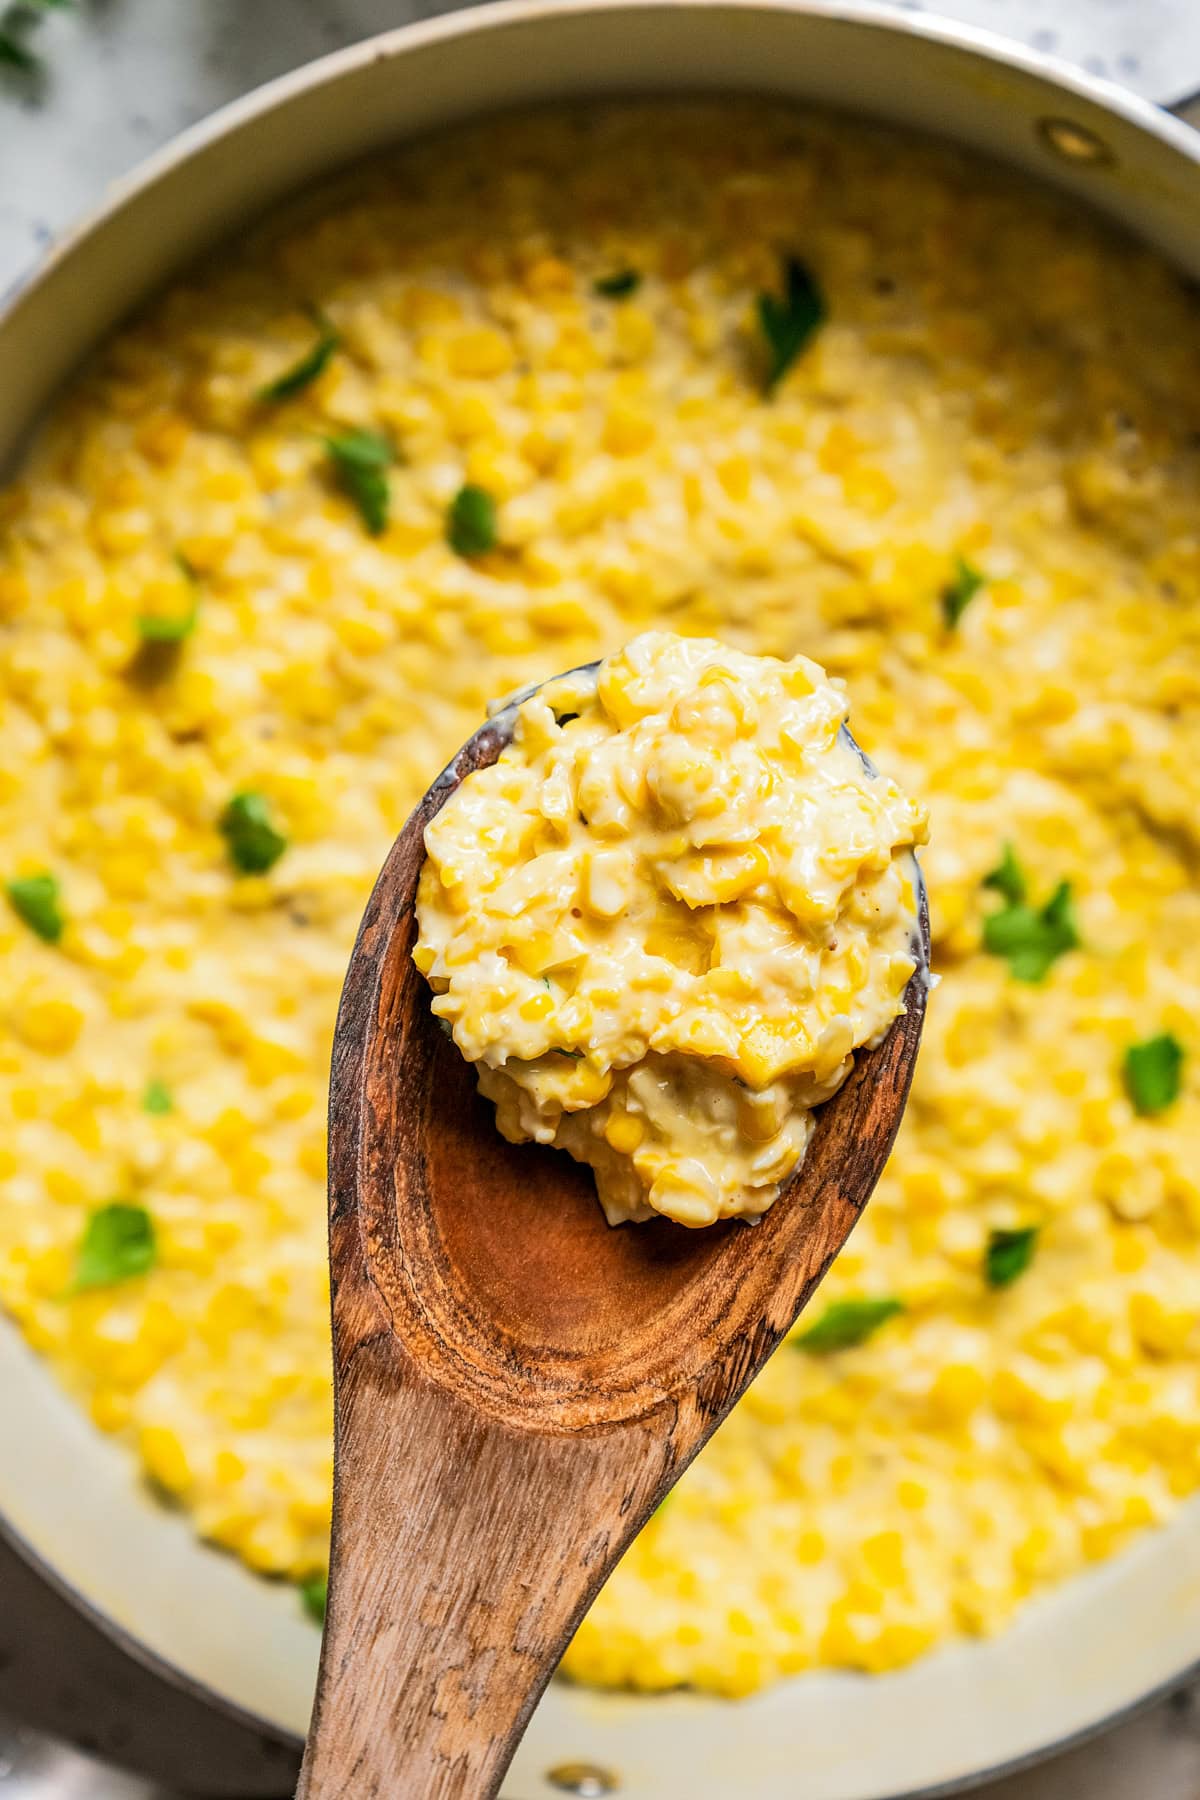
x: 165, y: 1459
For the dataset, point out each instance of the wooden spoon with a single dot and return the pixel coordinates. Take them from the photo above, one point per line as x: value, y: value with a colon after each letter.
x: 517, y: 1383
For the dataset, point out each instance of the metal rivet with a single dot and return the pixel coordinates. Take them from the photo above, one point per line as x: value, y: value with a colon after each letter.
x: 586, y: 1779
x: 1075, y: 143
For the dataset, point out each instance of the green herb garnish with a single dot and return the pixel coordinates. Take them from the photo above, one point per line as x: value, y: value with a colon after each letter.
x: 618, y: 285
x: 159, y: 628
x: 254, y: 844
x: 360, y: 460
x: 315, y: 1593
x: 118, y: 1243
x: 787, y: 321
x: 313, y: 363
x: 35, y: 900
x: 960, y: 590
x: 161, y: 634
x: 1008, y: 878
x: 471, y: 527
x: 15, y: 21
x: 1032, y: 938
x: 847, y: 1323
x: 1153, y: 1073
x: 14, y: 54
x: 1009, y: 1254
x: 157, y: 1098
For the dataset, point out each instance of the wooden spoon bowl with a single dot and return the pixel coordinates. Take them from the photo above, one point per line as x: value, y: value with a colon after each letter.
x: 517, y: 1383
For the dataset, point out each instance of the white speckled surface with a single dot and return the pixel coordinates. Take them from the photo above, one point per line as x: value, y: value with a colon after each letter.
x: 120, y: 77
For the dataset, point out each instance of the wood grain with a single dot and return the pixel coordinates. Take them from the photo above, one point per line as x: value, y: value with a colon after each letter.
x: 517, y: 1383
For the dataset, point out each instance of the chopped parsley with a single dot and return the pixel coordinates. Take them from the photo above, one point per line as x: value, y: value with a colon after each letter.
x: 163, y: 628
x: 788, y: 320
x: 253, y: 842
x: 162, y: 633
x: 35, y: 900
x: 14, y: 52
x: 1153, y: 1073
x: 15, y: 22
x: 619, y: 285
x: 313, y: 363
x: 960, y: 590
x: 157, y: 1098
x: 1009, y: 1254
x: 1008, y: 878
x: 847, y: 1323
x: 118, y: 1243
x: 360, y: 460
x: 315, y: 1593
x: 471, y: 528
x: 1032, y: 938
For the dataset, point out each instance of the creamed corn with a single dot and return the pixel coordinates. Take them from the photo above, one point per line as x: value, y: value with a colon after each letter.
x: 663, y: 921
x: 997, y: 383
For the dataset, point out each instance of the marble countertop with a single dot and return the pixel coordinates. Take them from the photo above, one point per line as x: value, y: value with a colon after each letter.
x: 116, y: 78
x: 120, y: 77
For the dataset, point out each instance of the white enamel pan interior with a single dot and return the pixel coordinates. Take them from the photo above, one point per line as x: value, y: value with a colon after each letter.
x: 1075, y: 1659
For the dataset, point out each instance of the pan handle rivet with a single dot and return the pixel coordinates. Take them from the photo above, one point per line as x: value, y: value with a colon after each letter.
x: 587, y: 1780
x: 1075, y: 143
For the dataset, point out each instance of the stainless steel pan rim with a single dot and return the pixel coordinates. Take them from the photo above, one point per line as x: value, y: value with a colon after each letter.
x: 501, y: 16
x: 1086, y: 105
x: 497, y: 14
x: 1074, y: 1740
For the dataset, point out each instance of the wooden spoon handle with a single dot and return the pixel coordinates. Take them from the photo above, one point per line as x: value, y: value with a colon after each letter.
x: 466, y: 1551
x: 517, y: 1385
